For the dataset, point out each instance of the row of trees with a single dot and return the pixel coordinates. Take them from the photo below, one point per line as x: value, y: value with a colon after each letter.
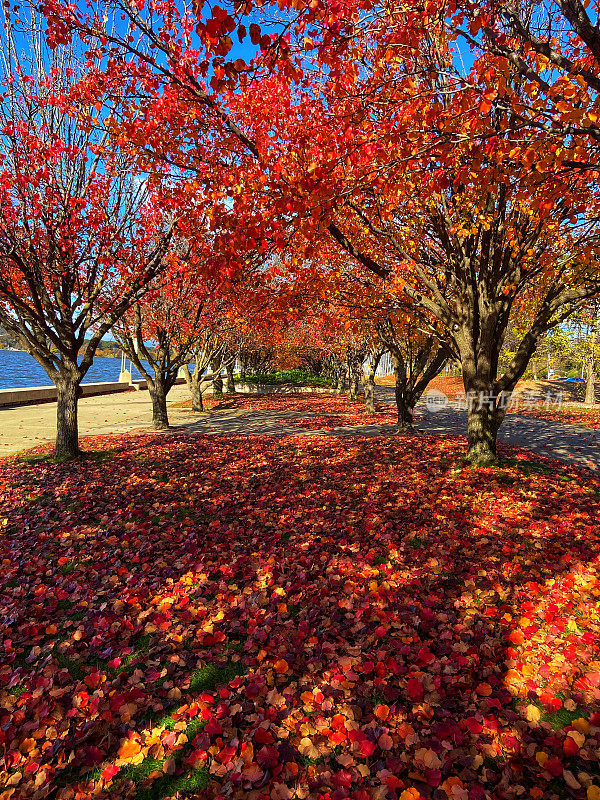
x: 349, y: 150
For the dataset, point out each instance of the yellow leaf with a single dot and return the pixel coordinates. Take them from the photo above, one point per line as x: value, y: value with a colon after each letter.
x: 577, y: 737
x: 169, y: 766
x: 581, y: 724
x: 306, y: 748
x: 427, y: 759
x: 454, y: 787
x: 27, y: 745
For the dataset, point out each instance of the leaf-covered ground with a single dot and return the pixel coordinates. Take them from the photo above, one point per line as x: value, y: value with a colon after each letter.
x: 296, y: 617
x: 310, y: 411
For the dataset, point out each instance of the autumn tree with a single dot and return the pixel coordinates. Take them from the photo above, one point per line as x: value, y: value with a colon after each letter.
x: 374, y: 355
x: 417, y: 358
x: 205, y: 350
x: 80, y: 240
x: 583, y: 345
x: 387, y: 321
x: 418, y: 171
x: 442, y: 199
x: 177, y: 321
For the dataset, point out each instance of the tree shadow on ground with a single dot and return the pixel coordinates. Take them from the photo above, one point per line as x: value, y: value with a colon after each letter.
x: 285, y: 617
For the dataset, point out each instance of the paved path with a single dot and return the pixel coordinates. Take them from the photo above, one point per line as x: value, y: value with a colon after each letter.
x: 276, y: 422
x: 571, y: 443
x: 22, y: 427
x: 26, y: 426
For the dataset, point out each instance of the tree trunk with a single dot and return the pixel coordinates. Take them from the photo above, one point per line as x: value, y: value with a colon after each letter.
x: 404, y: 403
x: 369, y: 390
x: 160, y: 416
x: 483, y: 421
x: 217, y: 380
x: 218, y: 386
x: 197, y: 401
x: 67, y: 432
x: 405, y: 416
x: 354, y: 384
x: 368, y: 382
x: 485, y: 412
x: 193, y: 381
x: 482, y: 432
x: 341, y: 381
x: 230, y: 378
x: 412, y: 376
x: 590, y: 387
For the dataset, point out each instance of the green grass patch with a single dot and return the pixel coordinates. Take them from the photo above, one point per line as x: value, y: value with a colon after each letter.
x: 99, y: 456
x: 210, y: 676
x: 294, y: 610
x: 526, y: 467
x: 207, y: 677
x: 416, y: 542
x: 235, y: 647
x: 17, y: 691
x: 562, y: 718
x: 174, y: 785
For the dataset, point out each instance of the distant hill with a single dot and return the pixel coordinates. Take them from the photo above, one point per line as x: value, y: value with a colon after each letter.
x: 107, y: 348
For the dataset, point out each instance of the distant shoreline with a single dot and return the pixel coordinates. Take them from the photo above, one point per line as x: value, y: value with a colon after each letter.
x: 98, y: 354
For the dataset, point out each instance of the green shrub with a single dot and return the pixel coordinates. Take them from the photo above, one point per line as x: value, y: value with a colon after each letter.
x: 294, y: 377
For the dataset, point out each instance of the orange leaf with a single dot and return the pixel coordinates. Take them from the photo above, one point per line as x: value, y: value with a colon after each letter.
x: 410, y: 794
x: 129, y: 749
x: 27, y: 745
x: 450, y: 784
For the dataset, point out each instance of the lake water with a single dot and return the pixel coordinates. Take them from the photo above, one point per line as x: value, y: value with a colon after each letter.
x: 18, y: 370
